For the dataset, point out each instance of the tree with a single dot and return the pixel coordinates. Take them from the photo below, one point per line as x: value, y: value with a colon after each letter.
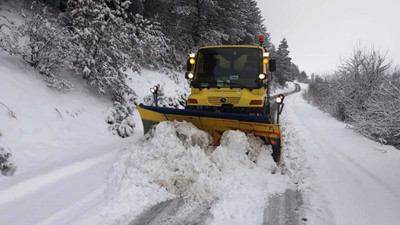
x: 194, y: 23
x: 45, y: 49
x: 294, y: 71
x: 283, y: 63
x: 100, y: 46
x: 100, y: 49
x: 303, y: 77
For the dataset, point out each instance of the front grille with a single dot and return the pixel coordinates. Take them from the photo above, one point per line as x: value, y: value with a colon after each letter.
x: 229, y: 100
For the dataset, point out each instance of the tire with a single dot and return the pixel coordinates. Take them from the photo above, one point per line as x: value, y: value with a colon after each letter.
x: 277, y: 151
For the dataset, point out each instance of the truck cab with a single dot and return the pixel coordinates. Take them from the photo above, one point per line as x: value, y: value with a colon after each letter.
x: 230, y: 78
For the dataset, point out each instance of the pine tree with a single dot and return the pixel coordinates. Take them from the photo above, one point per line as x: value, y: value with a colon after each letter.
x: 252, y: 22
x: 302, y: 77
x: 283, y: 63
x: 100, y: 50
x: 295, y: 72
x: 101, y: 43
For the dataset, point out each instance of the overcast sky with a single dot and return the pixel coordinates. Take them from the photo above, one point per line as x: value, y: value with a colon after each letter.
x: 320, y: 32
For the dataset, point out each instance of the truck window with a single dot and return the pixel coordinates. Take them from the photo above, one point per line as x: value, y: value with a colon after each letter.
x: 228, y: 67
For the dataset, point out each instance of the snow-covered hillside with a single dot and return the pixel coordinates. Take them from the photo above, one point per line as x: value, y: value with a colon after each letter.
x: 60, y: 142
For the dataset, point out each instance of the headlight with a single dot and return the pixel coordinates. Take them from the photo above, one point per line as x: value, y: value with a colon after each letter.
x: 154, y: 89
x: 190, y: 75
x: 266, y: 54
x: 262, y: 76
x: 279, y: 99
x: 192, y: 55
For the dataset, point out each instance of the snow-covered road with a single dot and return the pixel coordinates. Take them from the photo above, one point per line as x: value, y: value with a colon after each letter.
x: 335, y: 177
x: 353, y: 180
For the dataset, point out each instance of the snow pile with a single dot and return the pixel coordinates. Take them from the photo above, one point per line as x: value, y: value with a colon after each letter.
x: 247, y: 180
x: 175, y: 159
x: 171, y: 157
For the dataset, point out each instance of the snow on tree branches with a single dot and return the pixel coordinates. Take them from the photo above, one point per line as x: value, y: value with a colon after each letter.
x: 364, y: 93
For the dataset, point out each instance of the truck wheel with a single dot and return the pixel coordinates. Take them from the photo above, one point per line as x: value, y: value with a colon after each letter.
x: 277, y: 151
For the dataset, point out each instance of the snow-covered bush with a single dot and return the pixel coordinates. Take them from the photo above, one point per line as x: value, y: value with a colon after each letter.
x: 58, y: 83
x: 381, y: 119
x: 9, y: 36
x: 7, y: 167
x: 46, y: 47
x: 120, y: 118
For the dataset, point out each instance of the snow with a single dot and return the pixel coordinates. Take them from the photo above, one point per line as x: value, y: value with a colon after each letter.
x: 72, y: 170
x: 177, y: 159
x: 48, y: 124
x: 352, y: 180
x: 59, y: 141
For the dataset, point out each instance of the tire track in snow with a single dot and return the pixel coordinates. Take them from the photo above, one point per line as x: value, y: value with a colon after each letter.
x: 283, y: 209
x: 175, y: 211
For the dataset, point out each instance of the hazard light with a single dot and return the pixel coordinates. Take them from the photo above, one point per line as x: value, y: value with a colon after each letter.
x: 192, y: 101
x: 256, y: 102
x: 279, y: 99
x: 261, y: 39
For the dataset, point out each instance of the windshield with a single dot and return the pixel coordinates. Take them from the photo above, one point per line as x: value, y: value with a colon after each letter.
x: 228, y: 67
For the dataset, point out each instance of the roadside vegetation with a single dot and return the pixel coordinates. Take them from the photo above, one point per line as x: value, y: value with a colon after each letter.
x: 364, y: 92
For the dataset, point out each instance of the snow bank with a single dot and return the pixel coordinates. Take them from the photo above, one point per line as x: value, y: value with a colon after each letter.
x: 175, y: 159
x: 247, y: 180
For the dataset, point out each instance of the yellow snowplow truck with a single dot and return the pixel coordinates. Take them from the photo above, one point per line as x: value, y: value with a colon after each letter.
x: 230, y: 90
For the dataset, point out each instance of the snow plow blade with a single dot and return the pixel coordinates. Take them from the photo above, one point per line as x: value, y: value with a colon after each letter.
x: 215, y: 123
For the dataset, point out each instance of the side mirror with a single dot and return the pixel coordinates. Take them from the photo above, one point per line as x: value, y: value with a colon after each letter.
x: 272, y: 65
